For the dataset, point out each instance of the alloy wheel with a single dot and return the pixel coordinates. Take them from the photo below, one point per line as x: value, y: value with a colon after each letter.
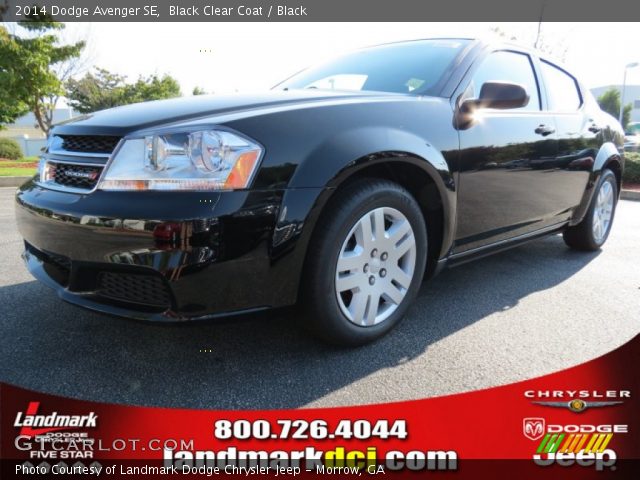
x: 602, y: 212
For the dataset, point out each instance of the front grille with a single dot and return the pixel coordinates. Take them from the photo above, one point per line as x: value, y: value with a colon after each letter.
x: 134, y: 288
x: 76, y: 176
x: 89, y: 143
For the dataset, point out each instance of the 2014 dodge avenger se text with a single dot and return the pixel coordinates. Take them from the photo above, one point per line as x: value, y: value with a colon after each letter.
x: 340, y: 190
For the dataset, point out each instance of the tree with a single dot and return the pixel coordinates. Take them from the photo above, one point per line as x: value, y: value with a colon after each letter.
x: 103, y: 89
x: 198, y: 91
x: 609, y: 101
x: 10, y: 107
x: 152, y: 88
x: 95, y: 91
x: 28, y: 80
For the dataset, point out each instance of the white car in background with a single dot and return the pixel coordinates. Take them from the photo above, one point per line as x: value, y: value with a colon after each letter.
x: 632, y: 137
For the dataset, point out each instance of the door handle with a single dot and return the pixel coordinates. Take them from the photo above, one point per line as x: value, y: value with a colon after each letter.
x: 594, y: 128
x: 544, y: 130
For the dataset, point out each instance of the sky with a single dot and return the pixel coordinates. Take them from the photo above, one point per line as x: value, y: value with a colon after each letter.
x: 227, y: 57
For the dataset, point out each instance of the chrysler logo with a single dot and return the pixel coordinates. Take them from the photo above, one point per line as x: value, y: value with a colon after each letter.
x: 577, y: 405
x: 533, y: 428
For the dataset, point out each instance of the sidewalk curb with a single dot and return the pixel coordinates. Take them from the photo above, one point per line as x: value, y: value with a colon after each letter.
x: 13, y: 181
x: 630, y: 195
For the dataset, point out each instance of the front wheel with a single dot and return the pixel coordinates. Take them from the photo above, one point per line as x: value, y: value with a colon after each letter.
x: 366, y: 263
x: 591, y: 233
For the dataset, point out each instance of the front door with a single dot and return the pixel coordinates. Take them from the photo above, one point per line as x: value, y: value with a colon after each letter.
x: 507, y: 160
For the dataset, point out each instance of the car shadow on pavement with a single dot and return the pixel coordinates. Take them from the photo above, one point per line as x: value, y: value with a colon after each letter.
x: 258, y: 361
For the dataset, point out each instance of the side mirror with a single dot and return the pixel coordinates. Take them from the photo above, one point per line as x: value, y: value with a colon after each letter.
x: 499, y: 95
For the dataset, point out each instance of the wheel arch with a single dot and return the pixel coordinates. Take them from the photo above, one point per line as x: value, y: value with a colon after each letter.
x: 391, y: 153
x: 615, y: 165
x: 427, y: 185
x: 608, y: 157
x: 435, y: 197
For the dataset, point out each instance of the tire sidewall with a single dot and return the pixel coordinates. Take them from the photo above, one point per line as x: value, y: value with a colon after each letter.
x: 343, y: 221
x: 607, y: 176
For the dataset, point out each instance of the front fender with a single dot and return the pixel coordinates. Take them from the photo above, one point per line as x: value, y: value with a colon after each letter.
x: 328, y: 162
x: 331, y: 163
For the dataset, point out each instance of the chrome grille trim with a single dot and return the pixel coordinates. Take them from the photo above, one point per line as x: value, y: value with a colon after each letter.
x: 104, y: 162
x: 68, y: 153
x: 64, y: 188
x: 75, y: 175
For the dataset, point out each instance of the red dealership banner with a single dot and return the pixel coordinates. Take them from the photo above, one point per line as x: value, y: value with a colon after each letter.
x: 582, y: 422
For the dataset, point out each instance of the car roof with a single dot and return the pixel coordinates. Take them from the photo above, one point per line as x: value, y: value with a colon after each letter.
x: 480, y: 43
x: 484, y: 43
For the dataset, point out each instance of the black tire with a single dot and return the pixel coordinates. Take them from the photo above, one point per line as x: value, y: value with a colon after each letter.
x: 581, y: 236
x: 342, y: 213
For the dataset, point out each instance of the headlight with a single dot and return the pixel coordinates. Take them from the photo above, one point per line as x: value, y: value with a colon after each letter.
x: 198, y: 160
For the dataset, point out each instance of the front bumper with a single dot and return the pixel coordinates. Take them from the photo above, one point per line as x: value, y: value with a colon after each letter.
x: 162, y: 255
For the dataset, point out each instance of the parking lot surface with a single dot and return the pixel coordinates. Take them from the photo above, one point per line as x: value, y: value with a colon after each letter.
x: 532, y: 310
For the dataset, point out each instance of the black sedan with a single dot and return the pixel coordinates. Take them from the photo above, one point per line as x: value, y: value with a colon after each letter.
x: 340, y: 190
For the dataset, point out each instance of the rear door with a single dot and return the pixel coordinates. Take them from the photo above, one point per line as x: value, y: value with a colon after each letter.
x: 507, y: 159
x: 578, y: 133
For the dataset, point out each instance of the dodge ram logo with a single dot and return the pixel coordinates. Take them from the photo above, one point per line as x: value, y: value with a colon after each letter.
x: 533, y: 428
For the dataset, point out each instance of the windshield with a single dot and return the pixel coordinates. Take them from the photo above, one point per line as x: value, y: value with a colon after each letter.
x: 411, y: 67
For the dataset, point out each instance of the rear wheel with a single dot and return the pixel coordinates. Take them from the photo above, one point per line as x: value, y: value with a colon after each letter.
x: 366, y: 264
x: 592, y: 232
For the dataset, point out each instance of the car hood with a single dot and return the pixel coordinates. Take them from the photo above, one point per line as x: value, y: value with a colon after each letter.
x: 140, y: 116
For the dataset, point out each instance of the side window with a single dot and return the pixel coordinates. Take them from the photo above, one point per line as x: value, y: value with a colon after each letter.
x: 505, y: 66
x: 562, y: 89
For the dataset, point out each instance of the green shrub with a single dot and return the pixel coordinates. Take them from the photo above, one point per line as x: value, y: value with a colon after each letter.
x: 631, y: 168
x: 10, y: 149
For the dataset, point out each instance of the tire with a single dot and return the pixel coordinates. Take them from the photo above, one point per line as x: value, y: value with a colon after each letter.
x: 345, y: 273
x: 591, y: 233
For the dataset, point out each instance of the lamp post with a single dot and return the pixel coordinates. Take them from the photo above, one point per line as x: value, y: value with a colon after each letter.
x: 624, y: 86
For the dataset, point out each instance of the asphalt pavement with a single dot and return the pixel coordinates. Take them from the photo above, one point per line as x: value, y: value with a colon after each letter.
x: 526, y: 312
